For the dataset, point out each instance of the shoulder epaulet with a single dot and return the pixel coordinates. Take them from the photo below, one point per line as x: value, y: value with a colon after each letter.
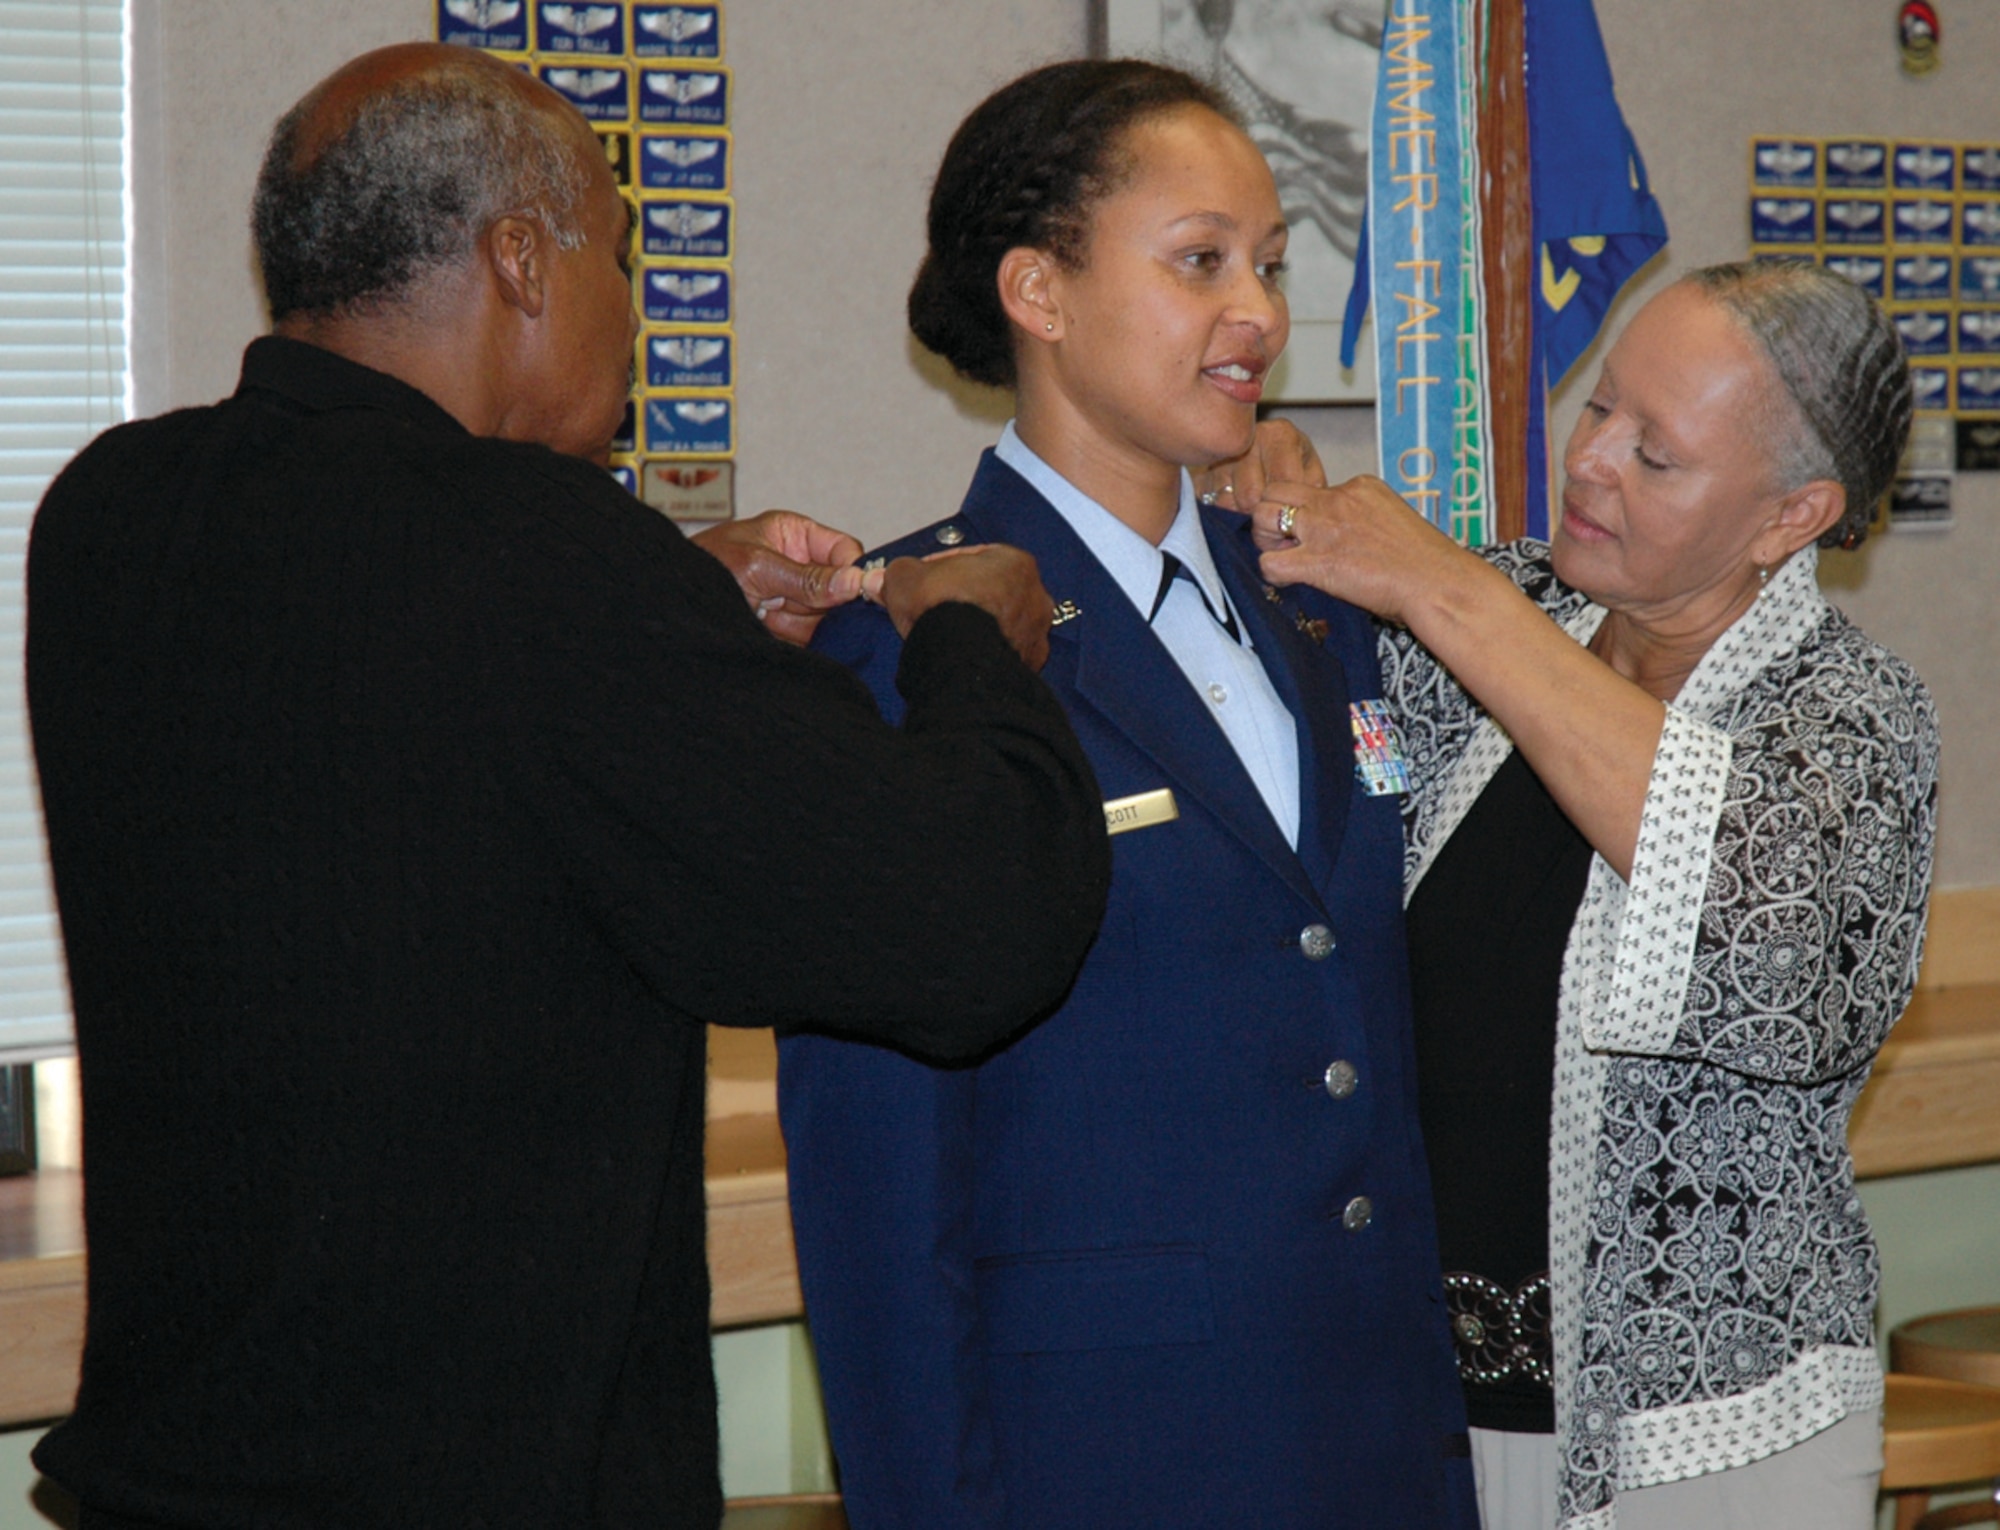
x: 920, y: 544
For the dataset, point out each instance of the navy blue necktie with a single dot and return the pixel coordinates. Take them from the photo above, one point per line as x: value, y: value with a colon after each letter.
x: 1171, y: 568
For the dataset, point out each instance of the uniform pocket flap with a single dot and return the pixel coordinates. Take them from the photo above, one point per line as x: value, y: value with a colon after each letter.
x: 1036, y: 1303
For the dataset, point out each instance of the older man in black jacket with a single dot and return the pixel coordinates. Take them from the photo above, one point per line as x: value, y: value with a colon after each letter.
x: 416, y: 798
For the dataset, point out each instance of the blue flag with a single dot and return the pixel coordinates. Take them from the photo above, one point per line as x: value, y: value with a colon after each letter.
x: 1595, y: 219
x: 1421, y: 267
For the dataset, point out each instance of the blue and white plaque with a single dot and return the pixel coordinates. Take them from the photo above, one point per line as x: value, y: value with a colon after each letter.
x: 1856, y: 220
x: 1868, y: 272
x: 1784, y: 220
x: 685, y: 228
x: 685, y: 295
x: 1784, y: 162
x: 1979, y: 331
x: 692, y: 97
x: 677, y: 31
x: 1979, y: 224
x: 1857, y: 164
x: 1979, y: 389
x: 598, y: 30
x: 1930, y: 387
x: 1924, y: 167
x: 1979, y: 279
x: 498, y: 25
x: 1924, y: 331
x: 1921, y: 220
x: 689, y: 360
x: 690, y: 427
x: 602, y: 92
x: 684, y: 162
x: 1982, y: 169
x: 1920, y: 278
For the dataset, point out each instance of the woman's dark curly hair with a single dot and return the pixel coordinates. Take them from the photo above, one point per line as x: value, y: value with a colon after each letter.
x: 1026, y: 169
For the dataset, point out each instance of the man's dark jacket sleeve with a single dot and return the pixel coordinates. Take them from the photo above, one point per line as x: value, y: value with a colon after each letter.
x: 759, y: 839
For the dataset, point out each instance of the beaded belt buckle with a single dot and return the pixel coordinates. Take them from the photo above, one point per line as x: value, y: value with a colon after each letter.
x: 1500, y: 1333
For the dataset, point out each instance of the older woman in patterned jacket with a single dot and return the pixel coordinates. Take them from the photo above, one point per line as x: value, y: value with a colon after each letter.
x: 1670, y: 848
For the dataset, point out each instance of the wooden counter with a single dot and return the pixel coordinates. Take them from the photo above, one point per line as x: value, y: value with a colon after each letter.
x: 751, y: 1268
x: 41, y: 1293
x: 1934, y: 1101
x: 1934, y: 1098
x: 754, y: 1275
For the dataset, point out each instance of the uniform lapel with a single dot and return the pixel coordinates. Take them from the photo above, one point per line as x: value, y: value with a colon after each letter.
x: 1309, y: 679
x: 1108, y: 661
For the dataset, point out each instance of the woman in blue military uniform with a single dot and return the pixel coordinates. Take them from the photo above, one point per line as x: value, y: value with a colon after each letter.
x: 1168, y: 1259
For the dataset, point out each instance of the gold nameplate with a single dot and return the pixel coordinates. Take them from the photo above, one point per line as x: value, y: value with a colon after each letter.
x: 1140, y: 812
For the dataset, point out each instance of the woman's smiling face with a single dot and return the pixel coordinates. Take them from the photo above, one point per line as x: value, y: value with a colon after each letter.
x: 1168, y: 328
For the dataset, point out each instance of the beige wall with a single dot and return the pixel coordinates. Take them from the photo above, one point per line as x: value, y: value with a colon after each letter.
x: 842, y: 110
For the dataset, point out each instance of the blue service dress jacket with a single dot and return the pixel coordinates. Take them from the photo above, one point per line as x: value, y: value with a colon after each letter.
x: 1168, y: 1259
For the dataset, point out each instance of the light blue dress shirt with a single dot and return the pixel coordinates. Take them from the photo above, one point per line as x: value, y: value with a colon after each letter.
x: 1226, y: 674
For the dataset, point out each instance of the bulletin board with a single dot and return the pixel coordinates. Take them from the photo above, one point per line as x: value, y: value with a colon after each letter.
x: 1916, y: 224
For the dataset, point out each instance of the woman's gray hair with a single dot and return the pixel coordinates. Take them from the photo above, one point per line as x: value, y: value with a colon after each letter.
x: 407, y: 186
x: 1842, y: 367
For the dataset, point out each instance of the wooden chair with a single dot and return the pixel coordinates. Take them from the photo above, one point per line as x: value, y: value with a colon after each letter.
x: 1938, y: 1434
x: 1958, y: 1346
x: 798, y: 1511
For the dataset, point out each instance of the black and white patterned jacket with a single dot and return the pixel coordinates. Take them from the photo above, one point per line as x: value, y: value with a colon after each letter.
x: 1713, y: 1273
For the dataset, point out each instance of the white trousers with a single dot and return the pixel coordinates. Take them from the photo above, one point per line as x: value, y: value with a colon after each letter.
x: 1825, y: 1482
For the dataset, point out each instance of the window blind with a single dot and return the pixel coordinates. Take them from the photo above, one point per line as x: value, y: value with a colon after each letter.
x: 62, y: 380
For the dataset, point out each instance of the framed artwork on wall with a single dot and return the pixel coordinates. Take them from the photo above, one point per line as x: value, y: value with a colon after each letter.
x: 1302, y: 75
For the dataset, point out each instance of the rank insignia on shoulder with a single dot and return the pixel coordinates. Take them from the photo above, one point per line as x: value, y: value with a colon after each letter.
x: 1379, y: 763
x: 1310, y: 627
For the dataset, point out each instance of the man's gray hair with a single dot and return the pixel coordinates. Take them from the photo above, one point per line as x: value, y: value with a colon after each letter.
x: 407, y: 186
x: 1843, y: 369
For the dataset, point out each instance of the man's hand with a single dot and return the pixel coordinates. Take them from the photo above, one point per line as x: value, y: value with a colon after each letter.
x: 791, y: 569
x: 998, y: 579
x: 1280, y: 454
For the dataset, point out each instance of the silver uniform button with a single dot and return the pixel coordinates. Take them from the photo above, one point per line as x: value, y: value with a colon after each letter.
x: 1341, y: 1078
x: 1218, y: 693
x: 1316, y: 940
x: 951, y: 536
x: 1358, y: 1213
